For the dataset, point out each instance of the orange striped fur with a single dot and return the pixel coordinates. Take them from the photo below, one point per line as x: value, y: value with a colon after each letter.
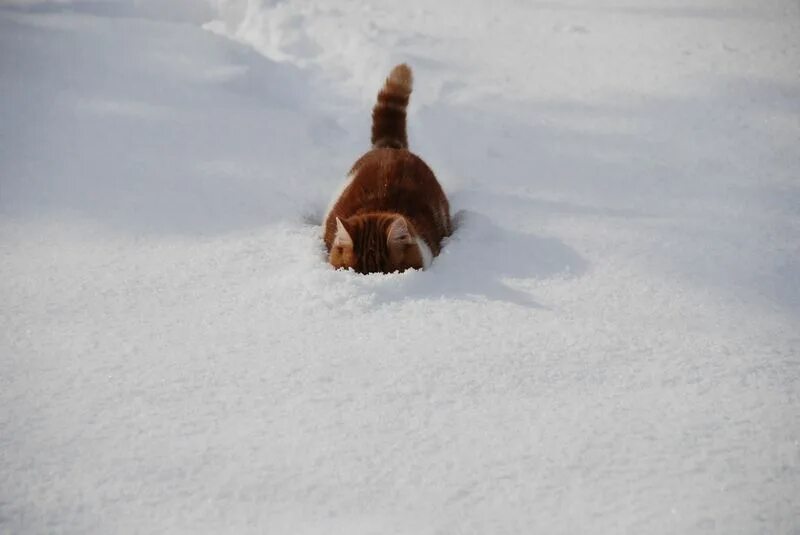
x: 392, y: 214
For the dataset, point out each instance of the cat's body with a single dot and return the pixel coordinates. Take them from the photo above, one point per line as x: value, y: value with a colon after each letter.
x: 392, y: 214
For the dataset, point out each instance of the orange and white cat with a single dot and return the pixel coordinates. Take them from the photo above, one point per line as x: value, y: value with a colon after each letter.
x: 392, y: 214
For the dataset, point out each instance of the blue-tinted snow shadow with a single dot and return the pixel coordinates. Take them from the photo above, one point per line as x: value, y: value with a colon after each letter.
x: 480, y: 261
x: 189, y: 11
x: 171, y: 131
x: 683, y: 184
x: 669, y: 12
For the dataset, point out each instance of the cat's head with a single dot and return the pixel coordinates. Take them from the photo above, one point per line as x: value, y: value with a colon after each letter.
x: 376, y: 243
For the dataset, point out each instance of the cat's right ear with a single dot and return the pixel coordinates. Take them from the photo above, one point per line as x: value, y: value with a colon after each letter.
x: 342, y: 237
x: 398, y: 232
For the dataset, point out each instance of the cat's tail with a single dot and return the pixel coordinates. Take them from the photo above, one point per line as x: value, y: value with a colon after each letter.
x: 389, y: 113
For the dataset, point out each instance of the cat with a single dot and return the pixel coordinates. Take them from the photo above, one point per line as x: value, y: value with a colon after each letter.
x: 391, y: 214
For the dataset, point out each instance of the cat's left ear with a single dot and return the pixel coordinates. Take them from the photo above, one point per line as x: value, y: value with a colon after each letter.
x: 342, y: 236
x: 398, y: 232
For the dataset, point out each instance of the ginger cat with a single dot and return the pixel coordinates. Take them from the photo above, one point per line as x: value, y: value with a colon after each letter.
x: 392, y: 213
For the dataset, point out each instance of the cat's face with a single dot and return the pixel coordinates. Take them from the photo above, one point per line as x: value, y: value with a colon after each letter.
x: 375, y: 244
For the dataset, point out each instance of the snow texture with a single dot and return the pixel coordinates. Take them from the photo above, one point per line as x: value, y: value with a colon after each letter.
x: 610, y: 342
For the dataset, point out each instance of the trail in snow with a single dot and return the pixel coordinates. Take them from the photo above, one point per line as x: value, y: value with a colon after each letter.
x: 608, y: 343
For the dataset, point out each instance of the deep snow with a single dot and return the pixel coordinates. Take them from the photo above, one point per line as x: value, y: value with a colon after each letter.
x: 609, y: 343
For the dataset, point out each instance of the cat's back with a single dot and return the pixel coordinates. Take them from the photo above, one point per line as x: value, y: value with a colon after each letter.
x: 396, y: 181
x: 385, y: 172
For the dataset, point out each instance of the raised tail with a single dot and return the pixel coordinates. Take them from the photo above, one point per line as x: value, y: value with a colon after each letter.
x: 389, y: 113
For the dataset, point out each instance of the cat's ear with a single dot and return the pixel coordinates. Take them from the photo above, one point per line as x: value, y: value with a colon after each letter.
x: 342, y: 237
x: 398, y: 233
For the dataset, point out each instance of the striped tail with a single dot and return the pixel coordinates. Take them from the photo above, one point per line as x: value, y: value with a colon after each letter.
x: 389, y: 113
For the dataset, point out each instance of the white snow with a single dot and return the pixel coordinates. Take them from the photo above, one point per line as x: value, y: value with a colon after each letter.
x: 609, y: 342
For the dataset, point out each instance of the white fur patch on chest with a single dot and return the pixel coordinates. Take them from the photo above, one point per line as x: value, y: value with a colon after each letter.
x: 425, y: 252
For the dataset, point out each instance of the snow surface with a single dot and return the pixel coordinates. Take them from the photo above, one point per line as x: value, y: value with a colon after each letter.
x: 609, y: 343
